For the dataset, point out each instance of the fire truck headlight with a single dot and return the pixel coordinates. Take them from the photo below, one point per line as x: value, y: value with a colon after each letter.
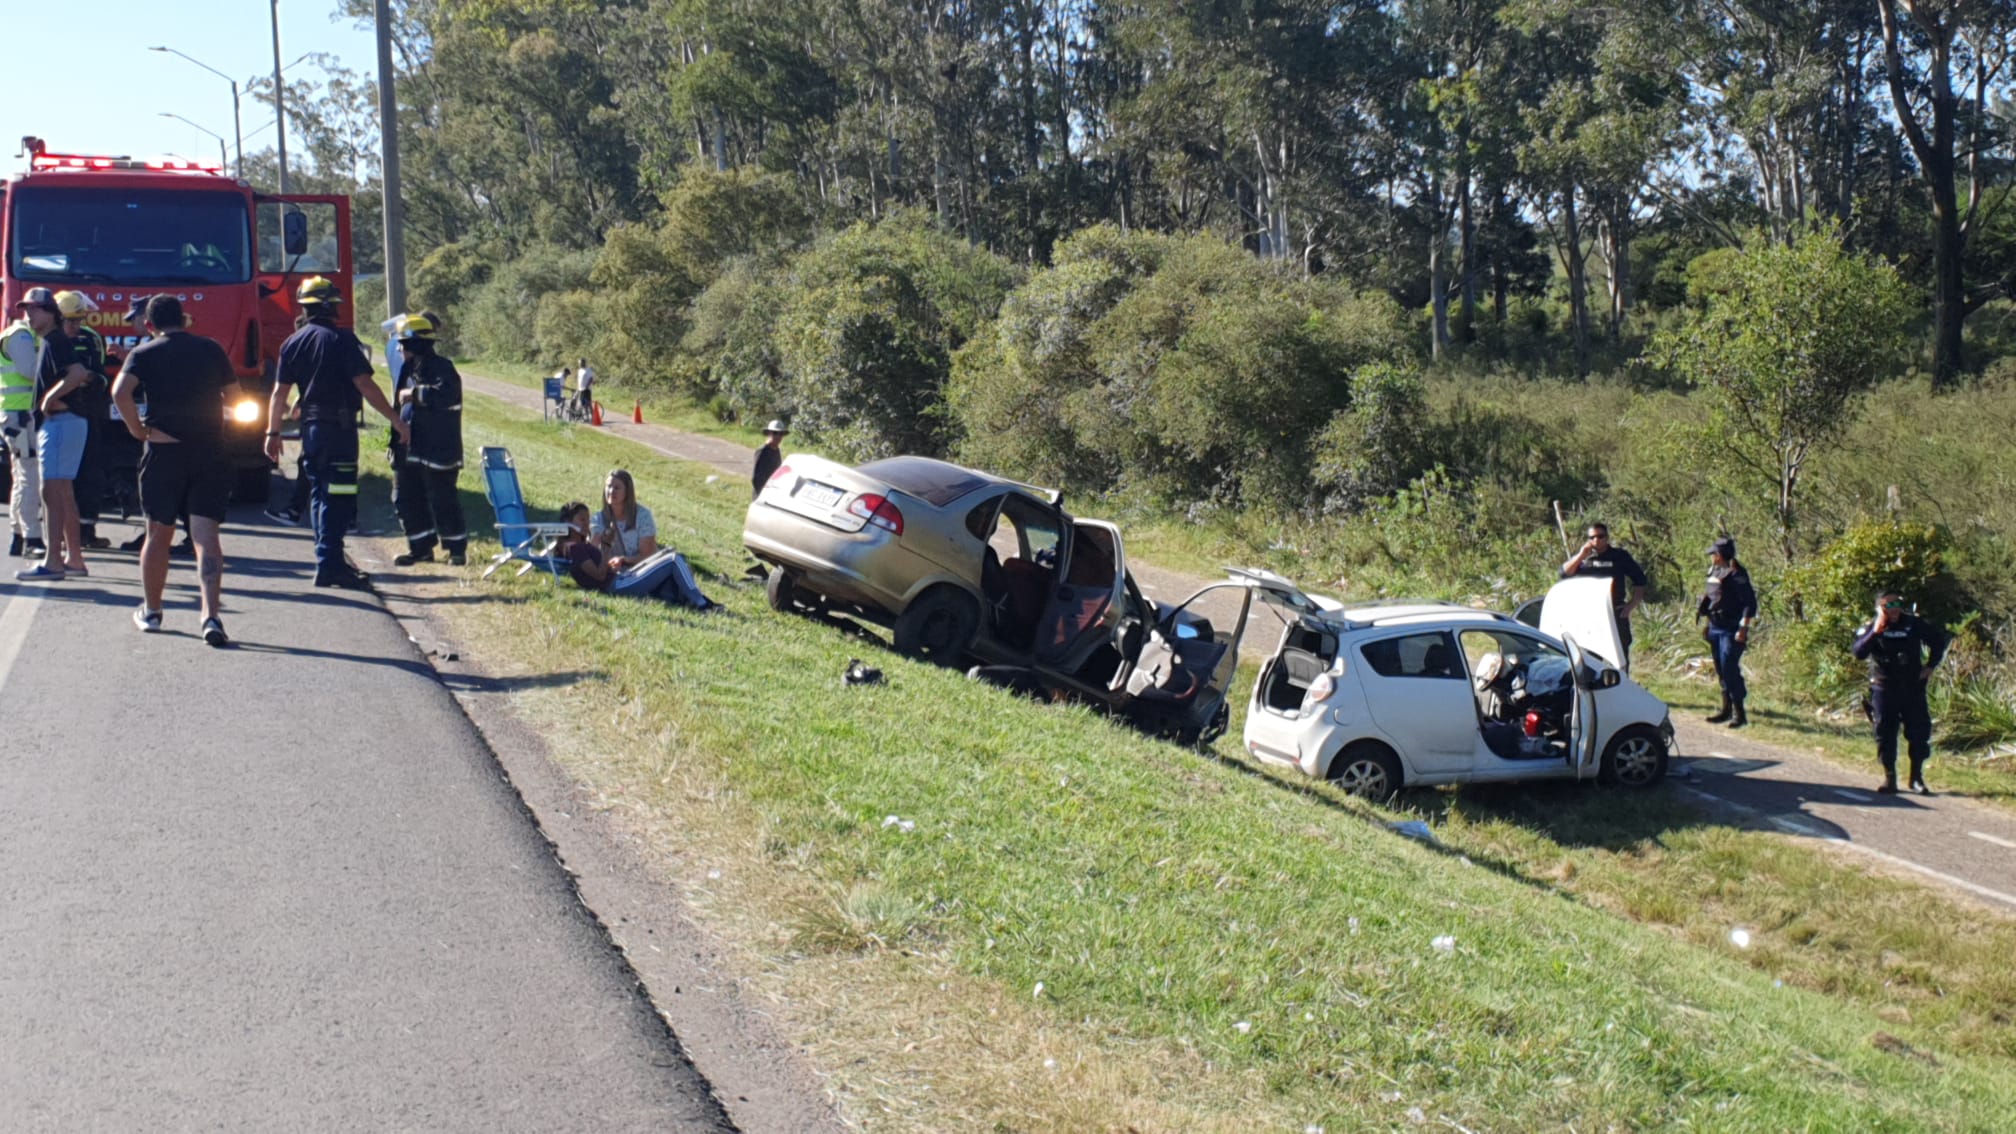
x: 245, y: 412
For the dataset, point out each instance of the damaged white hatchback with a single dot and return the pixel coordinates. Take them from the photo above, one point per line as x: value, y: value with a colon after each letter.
x: 1383, y: 696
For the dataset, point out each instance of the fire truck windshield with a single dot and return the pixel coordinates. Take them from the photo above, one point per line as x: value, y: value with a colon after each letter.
x: 129, y: 236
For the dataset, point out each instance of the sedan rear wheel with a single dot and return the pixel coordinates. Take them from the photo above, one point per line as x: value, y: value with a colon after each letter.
x: 778, y: 587
x: 939, y: 626
x: 1368, y: 771
x: 1636, y: 758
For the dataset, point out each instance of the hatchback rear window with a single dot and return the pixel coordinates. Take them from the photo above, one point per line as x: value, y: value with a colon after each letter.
x: 937, y: 483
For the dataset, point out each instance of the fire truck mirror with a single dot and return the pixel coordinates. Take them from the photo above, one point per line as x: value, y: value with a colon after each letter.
x: 294, y: 232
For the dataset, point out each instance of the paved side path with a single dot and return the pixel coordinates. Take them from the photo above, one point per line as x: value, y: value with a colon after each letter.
x: 283, y: 886
x: 1965, y: 845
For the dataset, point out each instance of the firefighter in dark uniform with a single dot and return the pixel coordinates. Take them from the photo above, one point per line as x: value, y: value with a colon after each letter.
x: 1601, y: 559
x: 429, y: 395
x: 328, y: 364
x: 1902, y: 651
x: 93, y: 403
x: 1729, y: 604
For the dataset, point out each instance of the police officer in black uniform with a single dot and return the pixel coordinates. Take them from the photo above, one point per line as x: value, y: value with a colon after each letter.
x: 328, y: 364
x: 1600, y: 559
x: 1902, y: 651
x: 429, y: 393
x: 1729, y: 604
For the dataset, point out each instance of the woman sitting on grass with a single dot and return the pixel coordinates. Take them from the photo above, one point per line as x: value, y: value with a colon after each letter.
x: 624, y: 527
x: 663, y: 574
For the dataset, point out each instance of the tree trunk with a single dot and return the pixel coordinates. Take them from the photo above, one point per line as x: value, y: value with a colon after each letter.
x: 1467, y: 242
x: 1438, y: 267
x: 1578, y: 283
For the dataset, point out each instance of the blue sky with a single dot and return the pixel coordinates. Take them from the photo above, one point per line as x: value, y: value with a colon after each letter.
x: 91, y: 85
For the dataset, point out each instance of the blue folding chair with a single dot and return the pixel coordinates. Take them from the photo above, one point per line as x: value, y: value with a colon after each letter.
x: 515, y: 527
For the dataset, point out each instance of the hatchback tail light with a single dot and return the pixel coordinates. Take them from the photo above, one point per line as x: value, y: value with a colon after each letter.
x: 1320, y: 689
x: 879, y: 511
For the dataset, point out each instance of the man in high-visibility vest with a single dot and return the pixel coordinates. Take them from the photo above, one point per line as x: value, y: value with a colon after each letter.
x: 93, y: 403
x: 20, y: 357
x: 335, y: 379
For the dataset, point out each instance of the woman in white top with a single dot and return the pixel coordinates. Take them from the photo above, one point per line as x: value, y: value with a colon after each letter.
x: 623, y: 526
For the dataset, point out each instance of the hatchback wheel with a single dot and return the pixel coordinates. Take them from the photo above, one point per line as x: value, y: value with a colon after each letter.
x: 939, y: 626
x: 1635, y: 758
x: 1368, y: 771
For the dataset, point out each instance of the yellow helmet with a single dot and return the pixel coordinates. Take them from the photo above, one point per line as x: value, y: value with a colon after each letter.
x: 74, y: 304
x: 317, y: 289
x: 414, y: 327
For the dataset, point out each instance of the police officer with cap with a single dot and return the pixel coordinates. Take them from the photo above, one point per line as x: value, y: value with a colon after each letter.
x: 429, y: 393
x: 1729, y: 604
x: 1902, y: 650
x: 328, y: 363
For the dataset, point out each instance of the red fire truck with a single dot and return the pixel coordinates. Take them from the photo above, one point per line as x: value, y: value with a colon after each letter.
x: 113, y: 228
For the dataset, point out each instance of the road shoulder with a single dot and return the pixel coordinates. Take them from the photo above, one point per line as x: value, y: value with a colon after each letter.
x: 761, y: 1079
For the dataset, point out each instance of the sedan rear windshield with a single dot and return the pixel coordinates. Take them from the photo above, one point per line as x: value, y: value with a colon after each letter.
x: 130, y: 236
x: 937, y: 483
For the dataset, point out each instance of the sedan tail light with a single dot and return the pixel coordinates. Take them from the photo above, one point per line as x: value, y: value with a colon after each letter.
x: 879, y: 511
x: 782, y: 471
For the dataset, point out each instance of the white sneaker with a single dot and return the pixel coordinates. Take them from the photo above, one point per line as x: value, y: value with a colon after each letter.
x: 148, y: 621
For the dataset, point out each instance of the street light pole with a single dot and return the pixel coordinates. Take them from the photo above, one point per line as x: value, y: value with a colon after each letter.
x: 237, y: 127
x: 279, y: 97
x: 220, y: 138
x: 388, y: 141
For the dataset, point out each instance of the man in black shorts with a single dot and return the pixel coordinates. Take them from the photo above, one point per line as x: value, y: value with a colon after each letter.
x: 184, y: 470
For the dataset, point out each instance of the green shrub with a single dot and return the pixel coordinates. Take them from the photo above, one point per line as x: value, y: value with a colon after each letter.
x: 1835, y: 592
x: 500, y: 318
x: 1378, y: 445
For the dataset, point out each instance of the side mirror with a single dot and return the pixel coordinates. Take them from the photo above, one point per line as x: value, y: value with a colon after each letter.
x: 1609, y: 679
x: 294, y: 232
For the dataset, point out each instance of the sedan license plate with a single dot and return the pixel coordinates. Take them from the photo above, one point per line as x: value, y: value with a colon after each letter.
x: 819, y: 495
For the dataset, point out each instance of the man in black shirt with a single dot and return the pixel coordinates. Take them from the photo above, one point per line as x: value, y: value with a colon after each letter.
x: 1902, y: 651
x: 1601, y: 559
x: 768, y: 457
x: 185, y: 468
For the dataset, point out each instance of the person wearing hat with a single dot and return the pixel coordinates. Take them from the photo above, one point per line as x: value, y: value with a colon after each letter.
x: 59, y: 439
x: 1729, y: 606
x: 1902, y: 650
x: 94, y: 404
x: 769, y: 457
x: 425, y: 469
x: 20, y: 360
x: 335, y: 378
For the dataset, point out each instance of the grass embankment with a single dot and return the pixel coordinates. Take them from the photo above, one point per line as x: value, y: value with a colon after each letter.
x: 983, y: 913
x: 660, y: 408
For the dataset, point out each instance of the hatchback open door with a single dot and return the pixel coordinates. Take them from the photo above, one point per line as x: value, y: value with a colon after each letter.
x: 1582, y: 732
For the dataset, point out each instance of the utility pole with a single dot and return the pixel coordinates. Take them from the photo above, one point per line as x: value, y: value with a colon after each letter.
x: 388, y: 142
x: 279, y: 97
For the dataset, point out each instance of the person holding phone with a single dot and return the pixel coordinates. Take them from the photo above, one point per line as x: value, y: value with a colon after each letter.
x: 1902, y: 650
x: 1601, y: 559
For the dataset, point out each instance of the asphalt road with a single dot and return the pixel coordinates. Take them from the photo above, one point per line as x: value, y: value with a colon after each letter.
x: 1966, y: 846
x: 283, y: 885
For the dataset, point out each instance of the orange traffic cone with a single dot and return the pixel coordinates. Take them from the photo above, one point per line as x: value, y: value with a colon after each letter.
x: 637, y: 413
x: 596, y: 408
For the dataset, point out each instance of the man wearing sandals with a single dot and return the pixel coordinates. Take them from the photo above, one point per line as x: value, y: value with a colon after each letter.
x: 185, y: 469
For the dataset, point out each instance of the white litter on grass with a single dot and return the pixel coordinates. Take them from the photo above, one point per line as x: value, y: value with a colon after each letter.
x: 1038, y: 994
x: 1049, y: 1065
x: 712, y: 480
x: 1243, y: 1026
x: 714, y: 876
x: 1308, y: 1017
x: 1413, y: 829
x: 901, y: 824
x: 1444, y: 944
x: 1312, y: 1128
x: 1739, y: 938
x: 1416, y: 1115
x: 1353, y: 923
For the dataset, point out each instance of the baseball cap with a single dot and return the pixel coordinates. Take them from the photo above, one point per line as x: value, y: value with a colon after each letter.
x: 137, y: 310
x: 40, y: 297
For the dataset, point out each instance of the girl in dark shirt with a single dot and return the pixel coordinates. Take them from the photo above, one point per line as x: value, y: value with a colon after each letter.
x: 663, y: 575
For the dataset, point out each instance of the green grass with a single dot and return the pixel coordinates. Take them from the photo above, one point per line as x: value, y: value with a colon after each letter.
x: 660, y: 408
x: 1257, y: 944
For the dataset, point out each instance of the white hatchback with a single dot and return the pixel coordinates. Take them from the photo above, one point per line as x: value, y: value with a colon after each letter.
x: 1383, y: 696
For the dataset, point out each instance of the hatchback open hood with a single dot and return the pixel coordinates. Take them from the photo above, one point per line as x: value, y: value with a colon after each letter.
x: 1581, y: 609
